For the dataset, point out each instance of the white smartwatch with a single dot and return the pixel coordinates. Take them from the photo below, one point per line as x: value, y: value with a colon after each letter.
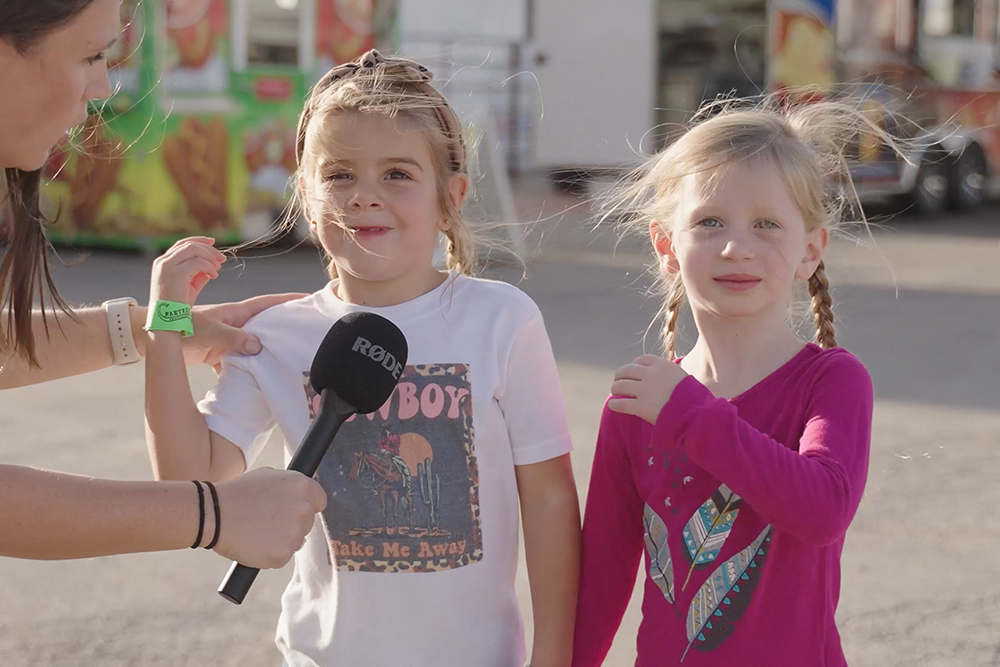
x: 120, y: 329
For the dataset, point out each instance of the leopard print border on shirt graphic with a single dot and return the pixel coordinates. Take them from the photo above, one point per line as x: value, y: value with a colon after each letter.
x: 386, y: 511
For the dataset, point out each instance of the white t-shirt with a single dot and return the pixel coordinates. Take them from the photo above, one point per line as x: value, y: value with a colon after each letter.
x: 428, y: 580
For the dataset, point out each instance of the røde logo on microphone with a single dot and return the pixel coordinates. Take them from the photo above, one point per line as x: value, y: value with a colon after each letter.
x: 379, y: 354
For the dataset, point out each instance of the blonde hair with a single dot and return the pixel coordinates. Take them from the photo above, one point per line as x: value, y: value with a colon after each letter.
x: 399, y: 89
x: 805, y: 141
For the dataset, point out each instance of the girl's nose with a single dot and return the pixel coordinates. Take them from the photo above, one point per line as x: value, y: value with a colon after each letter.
x: 364, y: 199
x: 737, y: 249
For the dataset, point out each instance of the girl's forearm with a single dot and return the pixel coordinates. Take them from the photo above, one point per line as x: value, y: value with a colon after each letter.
x: 552, y: 544
x: 554, y: 572
x: 47, y: 515
x: 178, y: 438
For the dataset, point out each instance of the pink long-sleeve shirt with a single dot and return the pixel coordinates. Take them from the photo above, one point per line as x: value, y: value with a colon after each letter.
x: 740, y: 508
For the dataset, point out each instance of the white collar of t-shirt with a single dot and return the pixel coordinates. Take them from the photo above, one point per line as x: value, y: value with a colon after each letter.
x: 427, y: 302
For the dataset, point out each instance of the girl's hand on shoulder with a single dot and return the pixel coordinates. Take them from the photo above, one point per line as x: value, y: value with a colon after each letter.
x: 645, y: 386
x: 182, y: 272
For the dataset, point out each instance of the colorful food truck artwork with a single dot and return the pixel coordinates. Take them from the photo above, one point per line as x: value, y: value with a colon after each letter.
x: 927, y: 72
x: 801, y: 46
x: 199, y: 137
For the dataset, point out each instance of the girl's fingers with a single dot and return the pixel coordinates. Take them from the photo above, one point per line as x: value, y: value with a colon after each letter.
x: 626, y: 388
x: 197, y: 245
x: 199, y: 281
x: 647, y: 360
x: 207, y: 250
x: 207, y: 240
x: 188, y: 252
x: 630, y: 372
x: 626, y: 406
x: 196, y: 265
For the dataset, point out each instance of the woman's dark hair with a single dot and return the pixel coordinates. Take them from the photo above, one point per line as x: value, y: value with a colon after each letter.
x: 24, y: 272
x: 24, y: 23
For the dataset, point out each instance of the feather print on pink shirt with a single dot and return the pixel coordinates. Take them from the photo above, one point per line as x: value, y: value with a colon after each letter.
x: 661, y: 569
x: 707, y: 529
x: 724, y: 597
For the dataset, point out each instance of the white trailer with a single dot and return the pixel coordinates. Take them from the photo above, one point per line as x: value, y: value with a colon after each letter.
x: 596, y: 65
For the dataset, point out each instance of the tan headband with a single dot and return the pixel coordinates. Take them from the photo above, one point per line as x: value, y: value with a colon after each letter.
x: 399, y: 70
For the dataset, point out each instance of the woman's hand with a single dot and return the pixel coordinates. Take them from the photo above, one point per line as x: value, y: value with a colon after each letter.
x: 218, y: 328
x: 266, y: 515
x: 645, y: 386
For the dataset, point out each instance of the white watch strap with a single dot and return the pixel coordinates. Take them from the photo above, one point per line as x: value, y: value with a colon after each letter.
x: 120, y: 328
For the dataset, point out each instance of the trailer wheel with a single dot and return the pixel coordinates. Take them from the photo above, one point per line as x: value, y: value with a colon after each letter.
x: 930, y: 192
x: 967, y: 186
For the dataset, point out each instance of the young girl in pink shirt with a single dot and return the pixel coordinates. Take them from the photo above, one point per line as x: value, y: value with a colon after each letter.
x: 736, y: 470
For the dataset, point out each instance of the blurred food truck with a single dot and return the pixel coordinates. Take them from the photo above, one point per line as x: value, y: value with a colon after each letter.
x: 199, y: 137
x: 617, y: 77
x: 926, y: 71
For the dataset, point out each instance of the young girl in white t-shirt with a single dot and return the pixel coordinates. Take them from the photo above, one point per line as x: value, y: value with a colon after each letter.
x: 413, y: 562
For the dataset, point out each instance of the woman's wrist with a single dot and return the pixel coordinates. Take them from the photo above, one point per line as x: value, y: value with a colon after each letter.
x: 208, y: 516
x: 137, y: 318
x: 185, y: 508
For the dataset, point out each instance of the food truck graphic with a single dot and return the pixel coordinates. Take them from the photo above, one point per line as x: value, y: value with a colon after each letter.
x: 925, y: 70
x: 199, y: 137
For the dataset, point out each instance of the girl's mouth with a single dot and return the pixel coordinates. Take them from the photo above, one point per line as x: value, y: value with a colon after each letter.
x: 738, y: 282
x: 369, y: 232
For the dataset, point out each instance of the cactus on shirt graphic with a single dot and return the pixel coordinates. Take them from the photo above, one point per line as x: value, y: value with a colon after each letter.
x: 402, y: 483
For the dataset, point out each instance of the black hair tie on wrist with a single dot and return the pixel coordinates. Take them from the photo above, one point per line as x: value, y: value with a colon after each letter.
x: 218, y: 518
x: 201, y: 514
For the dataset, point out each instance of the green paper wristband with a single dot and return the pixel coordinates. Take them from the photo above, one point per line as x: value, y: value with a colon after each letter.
x: 170, y: 316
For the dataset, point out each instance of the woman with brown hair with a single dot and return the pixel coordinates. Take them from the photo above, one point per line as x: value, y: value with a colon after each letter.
x: 52, y: 59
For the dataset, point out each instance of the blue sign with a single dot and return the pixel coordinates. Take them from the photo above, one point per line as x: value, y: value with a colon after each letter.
x: 825, y: 9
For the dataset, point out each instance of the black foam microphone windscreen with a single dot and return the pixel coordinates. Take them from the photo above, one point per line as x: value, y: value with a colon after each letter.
x: 360, y: 359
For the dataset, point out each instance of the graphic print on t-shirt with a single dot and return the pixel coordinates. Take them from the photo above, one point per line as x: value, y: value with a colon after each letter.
x: 403, y: 483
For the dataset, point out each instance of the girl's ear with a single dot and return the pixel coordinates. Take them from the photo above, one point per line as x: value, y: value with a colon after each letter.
x: 816, y: 242
x: 664, y: 248
x: 458, y: 189
x: 304, y: 197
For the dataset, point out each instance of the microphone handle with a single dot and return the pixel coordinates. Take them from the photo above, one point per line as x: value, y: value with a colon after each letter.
x: 333, y: 412
x: 336, y: 411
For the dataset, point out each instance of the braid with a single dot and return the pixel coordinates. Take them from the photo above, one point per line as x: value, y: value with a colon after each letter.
x: 461, y: 247
x: 676, y: 296
x: 822, y: 307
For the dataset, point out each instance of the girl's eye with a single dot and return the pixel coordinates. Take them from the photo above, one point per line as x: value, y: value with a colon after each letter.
x: 337, y: 176
x: 95, y: 59
x: 768, y: 224
x: 397, y: 175
x: 710, y: 222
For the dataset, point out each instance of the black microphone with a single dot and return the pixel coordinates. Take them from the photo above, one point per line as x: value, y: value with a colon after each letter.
x: 355, y: 369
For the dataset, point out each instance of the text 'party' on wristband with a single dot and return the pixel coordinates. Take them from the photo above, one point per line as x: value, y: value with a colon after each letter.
x: 170, y: 316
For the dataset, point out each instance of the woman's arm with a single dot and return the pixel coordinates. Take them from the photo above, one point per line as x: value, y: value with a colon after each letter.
x: 76, y: 347
x: 550, y: 514
x: 265, y: 515
x: 70, y: 348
